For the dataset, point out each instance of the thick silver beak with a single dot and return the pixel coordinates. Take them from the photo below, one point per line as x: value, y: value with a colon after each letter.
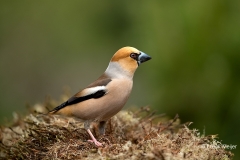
x: 143, y: 57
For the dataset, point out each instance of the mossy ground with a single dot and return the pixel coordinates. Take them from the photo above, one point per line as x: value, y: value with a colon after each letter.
x: 129, y: 135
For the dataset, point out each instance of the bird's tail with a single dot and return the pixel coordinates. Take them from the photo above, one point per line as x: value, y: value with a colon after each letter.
x: 56, y: 109
x: 51, y: 112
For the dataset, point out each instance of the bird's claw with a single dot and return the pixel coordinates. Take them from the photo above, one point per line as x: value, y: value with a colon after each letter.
x: 98, y: 144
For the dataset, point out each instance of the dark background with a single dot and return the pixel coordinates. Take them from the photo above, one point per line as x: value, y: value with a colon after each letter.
x: 46, y: 46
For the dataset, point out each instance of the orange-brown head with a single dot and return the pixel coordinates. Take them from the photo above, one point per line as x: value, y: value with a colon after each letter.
x: 125, y: 62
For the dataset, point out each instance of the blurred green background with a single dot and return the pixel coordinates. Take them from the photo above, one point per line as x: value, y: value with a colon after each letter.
x: 195, y: 46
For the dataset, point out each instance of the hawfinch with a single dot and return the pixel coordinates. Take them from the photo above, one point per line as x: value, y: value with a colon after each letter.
x: 105, y: 97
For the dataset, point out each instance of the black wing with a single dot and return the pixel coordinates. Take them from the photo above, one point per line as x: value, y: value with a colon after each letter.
x: 93, y: 91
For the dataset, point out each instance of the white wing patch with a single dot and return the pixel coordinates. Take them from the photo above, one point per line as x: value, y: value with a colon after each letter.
x: 93, y: 90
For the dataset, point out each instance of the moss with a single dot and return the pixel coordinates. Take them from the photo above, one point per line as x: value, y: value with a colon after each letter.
x: 129, y: 135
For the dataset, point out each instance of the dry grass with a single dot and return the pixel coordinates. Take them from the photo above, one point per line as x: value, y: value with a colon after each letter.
x: 129, y: 135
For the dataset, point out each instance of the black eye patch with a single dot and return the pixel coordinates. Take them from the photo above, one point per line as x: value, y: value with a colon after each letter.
x: 134, y: 56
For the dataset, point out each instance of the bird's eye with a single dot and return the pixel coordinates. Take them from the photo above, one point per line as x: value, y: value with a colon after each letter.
x: 134, y: 56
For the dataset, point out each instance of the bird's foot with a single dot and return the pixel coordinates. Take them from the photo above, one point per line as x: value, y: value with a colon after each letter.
x: 98, y: 144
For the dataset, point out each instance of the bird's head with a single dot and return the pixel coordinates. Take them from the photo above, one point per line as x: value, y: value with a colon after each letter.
x: 127, y: 59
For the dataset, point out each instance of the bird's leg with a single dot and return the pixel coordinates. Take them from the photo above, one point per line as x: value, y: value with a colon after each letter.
x: 87, y: 127
x: 101, y: 127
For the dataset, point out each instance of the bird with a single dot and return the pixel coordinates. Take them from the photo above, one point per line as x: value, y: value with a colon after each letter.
x: 106, y: 96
